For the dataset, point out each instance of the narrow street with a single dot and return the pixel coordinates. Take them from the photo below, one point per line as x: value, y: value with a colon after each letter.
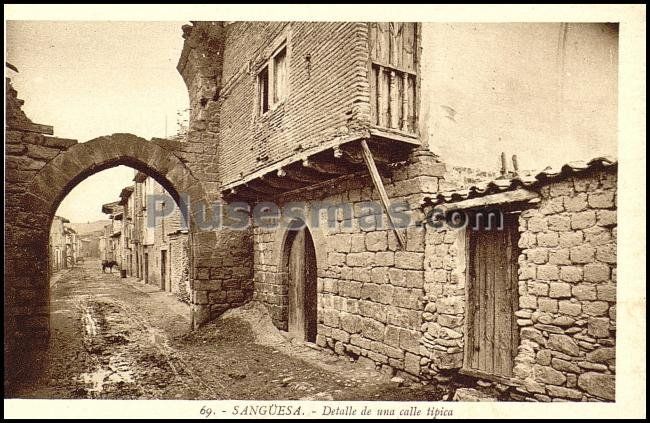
x: 116, y: 338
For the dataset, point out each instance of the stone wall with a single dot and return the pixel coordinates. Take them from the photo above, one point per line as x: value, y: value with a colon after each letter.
x: 28, y: 149
x: 220, y: 260
x: 223, y: 276
x: 567, y: 293
x: 40, y: 171
x: 442, y: 343
x: 567, y: 287
x: 370, y: 291
x: 179, y: 264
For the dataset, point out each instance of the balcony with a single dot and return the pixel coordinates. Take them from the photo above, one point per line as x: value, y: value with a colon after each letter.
x: 393, y: 77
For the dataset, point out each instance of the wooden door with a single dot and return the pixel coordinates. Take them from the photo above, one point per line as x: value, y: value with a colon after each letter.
x: 492, y: 336
x: 146, y: 268
x: 137, y: 264
x: 163, y: 269
x: 168, y: 282
x: 302, y: 286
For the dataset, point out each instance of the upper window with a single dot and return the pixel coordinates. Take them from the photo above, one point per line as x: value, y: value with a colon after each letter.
x: 263, y: 84
x: 272, y: 81
x: 279, y: 75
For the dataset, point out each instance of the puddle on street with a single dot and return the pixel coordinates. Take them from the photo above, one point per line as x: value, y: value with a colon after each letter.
x: 117, y: 373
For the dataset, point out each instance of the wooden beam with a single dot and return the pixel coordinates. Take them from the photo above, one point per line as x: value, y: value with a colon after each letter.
x: 353, y: 157
x: 261, y: 187
x: 325, y: 167
x: 353, y: 154
x: 240, y: 192
x: 282, y: 183
x: 395, y: 135
x: 379, y: 186
x: 302, y: 174
x: 500, y: 199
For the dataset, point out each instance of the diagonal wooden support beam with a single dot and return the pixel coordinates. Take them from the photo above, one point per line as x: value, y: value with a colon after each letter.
x: 353, y: 154
x: 379, y: 186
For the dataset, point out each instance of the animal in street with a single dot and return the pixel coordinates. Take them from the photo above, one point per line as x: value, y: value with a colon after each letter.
x: 108, y: 264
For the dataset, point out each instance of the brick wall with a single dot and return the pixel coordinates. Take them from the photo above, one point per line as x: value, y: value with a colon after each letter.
x: 328, y: 92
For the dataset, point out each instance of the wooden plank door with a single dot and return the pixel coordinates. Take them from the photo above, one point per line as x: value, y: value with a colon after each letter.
x: 163, y: 269
x: 492, y: 299
x: 311, y: 289
x: 302, y: 287
x: 146, y: 268
x: 168, y: 282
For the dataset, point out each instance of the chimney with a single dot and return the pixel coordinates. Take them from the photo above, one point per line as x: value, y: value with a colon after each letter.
x: 503, y: 166
x: 515, y: 165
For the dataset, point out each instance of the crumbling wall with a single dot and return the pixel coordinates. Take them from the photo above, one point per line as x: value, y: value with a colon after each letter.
x: 27, y: 226
x: 220, y: 262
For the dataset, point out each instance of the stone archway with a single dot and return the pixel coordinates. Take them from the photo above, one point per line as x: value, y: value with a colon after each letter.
x: 40, y: 170
x: 31, y: 205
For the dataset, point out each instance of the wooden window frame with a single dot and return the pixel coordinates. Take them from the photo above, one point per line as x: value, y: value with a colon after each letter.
x: 382, y: 66
x: 269, y: 67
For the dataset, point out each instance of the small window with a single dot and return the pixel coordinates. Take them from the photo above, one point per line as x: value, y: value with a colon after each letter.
x: 279, y: 75
x: 272, y: 81
x: 263, y: 84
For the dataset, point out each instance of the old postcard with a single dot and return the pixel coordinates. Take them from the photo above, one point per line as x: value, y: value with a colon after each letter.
x: 324, y: 211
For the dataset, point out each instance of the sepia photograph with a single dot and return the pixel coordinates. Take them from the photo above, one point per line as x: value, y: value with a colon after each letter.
x: 365, y: 214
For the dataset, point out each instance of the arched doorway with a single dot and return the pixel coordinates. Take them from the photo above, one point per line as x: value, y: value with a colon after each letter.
x: 33, y: 202
x: 300, y: 267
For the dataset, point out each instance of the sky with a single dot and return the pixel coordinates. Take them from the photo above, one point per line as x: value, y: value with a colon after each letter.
x: 513, y: 88
x: 89, y: 79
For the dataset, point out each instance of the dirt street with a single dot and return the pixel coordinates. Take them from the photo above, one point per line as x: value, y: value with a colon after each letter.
x: 117, y: 338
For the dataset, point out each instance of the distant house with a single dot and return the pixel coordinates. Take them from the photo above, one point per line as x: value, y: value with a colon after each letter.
x: 57, y: 245
x: 146, y: 241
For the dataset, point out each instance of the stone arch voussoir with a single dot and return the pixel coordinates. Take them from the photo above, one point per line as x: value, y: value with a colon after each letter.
x: 55, y: 180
